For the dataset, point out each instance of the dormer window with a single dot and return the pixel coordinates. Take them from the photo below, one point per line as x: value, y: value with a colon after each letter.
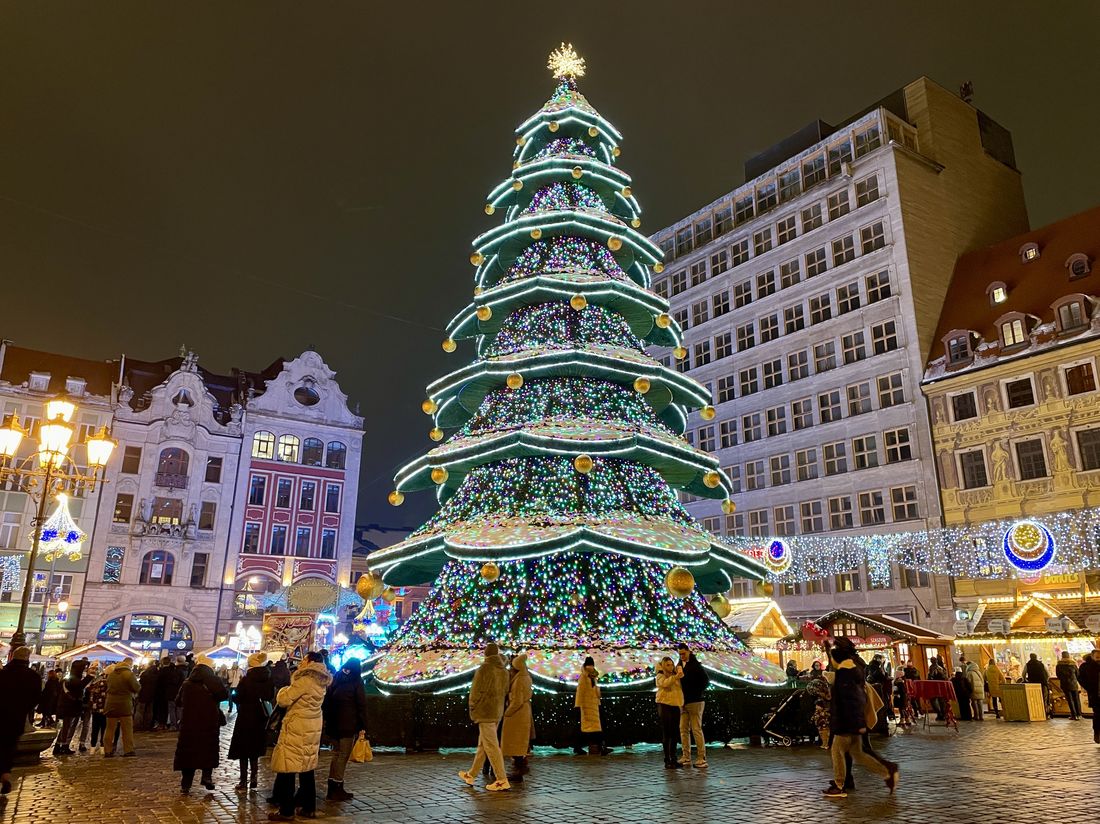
x: 1071, y: 314
x: 75, y: 387
x: 1012, y: 330
x: 1029, y: 252
x: 1078, y: 265
x: 997, y: 292
x: 39, y: 381
x: 957, y: 344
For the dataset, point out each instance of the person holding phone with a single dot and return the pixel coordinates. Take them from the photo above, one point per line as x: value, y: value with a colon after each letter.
x: 670, y: 698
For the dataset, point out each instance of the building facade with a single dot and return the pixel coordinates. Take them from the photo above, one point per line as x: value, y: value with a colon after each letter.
x: 808, y: 297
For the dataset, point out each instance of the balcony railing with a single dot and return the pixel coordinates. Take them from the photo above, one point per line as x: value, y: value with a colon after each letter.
x: 170, y: 480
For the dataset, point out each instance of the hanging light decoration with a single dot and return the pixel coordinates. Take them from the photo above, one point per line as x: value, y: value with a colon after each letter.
x: 60, y: 535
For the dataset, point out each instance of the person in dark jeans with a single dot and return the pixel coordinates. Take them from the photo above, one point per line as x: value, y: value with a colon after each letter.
x: 345, y: 714
x: 1066, y: 673
x: 694, y: 684
x: 21, y: 688
x: 670, y: 698
x: 1088, y: 676
x: 295, y: 754
x: 1035, y: 672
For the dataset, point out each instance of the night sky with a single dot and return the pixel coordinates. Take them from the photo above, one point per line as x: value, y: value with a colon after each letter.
x: 250, y: 178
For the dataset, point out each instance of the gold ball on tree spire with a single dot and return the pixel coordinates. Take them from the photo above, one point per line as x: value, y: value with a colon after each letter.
x: 679, y: 353
x: 636, y: 222
x: 536, y: 233
x: 578, y: 172
x: 658, y: 267
x: 712, y: 480
x: 477, y: 259
x: 521, y: 140
x: 720, y: 605
x: 728, y: 506
x: 627, y: 191
x: 436, y: 434
x: 616, y: 152
x: 707, y: 413
x: 614, y: 243
x: 517, y: 185
x: 663, y: 320
x: 489, y: 208
x: 642, y: 385
x: 389, y: 595
x: 484, y: 312
x: 428, y: 407
x: 593, y: 131
x: 553, y: 126
x: 396, y: 498
x: 369, y: 586
x: 439, y: 475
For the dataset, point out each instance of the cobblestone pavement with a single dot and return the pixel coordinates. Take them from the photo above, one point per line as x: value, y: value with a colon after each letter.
x: 988, y: 772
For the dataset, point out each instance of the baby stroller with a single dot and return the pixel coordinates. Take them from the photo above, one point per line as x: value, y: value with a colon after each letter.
x: 781, y: 723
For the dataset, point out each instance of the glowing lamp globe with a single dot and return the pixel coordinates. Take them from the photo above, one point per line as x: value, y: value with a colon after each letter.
x: 53, y: 441
x: 11, y: 435
x: 62, y: 607
x: 707, y: 413
x: 663, y: 320
x: 484, y: 313
x: 578, y: 172
x: 514, y: 381
x: 60, y: 406
x: 712, y: 480
x: 436, y: 434
x: 614, y: 243
x: 389, y: 595
x: 100, y: 446
x: 536, y: 234
x: 439, y: 475
x: 642, y: 385
x: 679, y: 582
x: 369, y: 586
x: 658, y: 267
x: 720, y: 606
x: 449, y: 345
x: 396, y: 498
x: 477, y: 258
x: 578, y: 302
x: 583, y: 464
x: 490, y: 571
x: 429, y: 407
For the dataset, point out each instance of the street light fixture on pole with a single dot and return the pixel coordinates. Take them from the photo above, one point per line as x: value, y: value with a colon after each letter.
x: 51, y: 463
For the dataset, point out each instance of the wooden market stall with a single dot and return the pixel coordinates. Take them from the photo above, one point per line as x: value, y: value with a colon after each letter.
x: 761, y: 624
x: 899, y: 641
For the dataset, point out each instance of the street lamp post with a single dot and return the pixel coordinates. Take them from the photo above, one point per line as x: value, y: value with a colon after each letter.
x: 50, y: 462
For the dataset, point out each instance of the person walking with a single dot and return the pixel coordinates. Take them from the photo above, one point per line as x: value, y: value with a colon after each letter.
x: 201, y: 720
x: 977, y: 690
x: 1035, y: 672
x: 345, y: 712
x: 995, y: 681
x: 587, y: 700
x: 51, y: 695
x: 169, y: 680
x: 670, y: 700
x: 299, y: 741
x: 515, y: 738
x: 1066, y: 673
x: 1088, y: 676
x: 97, y: 703
x: 255, y: 695
x: 143, y: 719
x: 20, y: 688
x: 70, y: 706
x: 849, y: 721
x: 694, y: 684
x: 487, y: 694
x: 122, y: 689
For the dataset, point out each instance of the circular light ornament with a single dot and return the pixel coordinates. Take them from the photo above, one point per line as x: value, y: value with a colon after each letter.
x: 490, y: 571
x: 679, y: 582
x: 396, y: 498
x: 711, y: 480
x: 777, y: 557
x: 514, y: 381
x: 578, y: 302
x: 583, y: 464
x: 642, y: 385
x: 1029, y: 546
x: 720, y: 605
x: 449, y: 345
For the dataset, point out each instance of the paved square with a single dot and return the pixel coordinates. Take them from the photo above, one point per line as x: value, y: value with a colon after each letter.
x: 988, y: 772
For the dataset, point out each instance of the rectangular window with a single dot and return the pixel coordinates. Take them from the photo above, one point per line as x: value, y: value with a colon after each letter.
x: 859, y: 398
x: 836, y: 458
x: 278, y: 539
x: 872, y: 237
x: 813, y: 171
x: 282, y: 493
x: 307, y: 497
x: 798, y: 365
x: 743, y: 210
x: 735, y: 524
x: 758, y: 523
x: 789, y: 185
x: 816, y: 263
x: 723, y: 220
x: 727, y: 430
x: 812, y: 518
x: 828, y: 406
x: 702, y: 353
x: 1013, y: 332
x: 683, y: 365
x: 257, y: 489
x: 903, y: 501
x: 251, y: 538
x: 198, y: 569
x: 706, y: 438
x: 208, y: 513
x: 872, y: 511
x: 725, y: 388
x: 839, y: 154
x: 811, y: 218
x: 765, y: 283
x: 973, y: 473
x: 777, y: 421
x: 328, y: 543
x: 301, y: 541
x: 678, y: 282
x: 884, y: 337
x: 699, y: 314
x: 769, y: 328
x: 661, y: 287
x: 794, y: 319
x: 964, y: 406
x: 762, y: 241
x: 802, y: 414
x: 766, y: 198
x: 805, y: 461
x: 773, y: 373
x: 866, y: 190
x: 890, y: 390
x: 820, y: 309
x: 1080, y: 379
x: 784, y: 520
x: 332, y: 498
x: 711, y: 524
x: 213, y: 470
x: 911, y: 578
x: 844, y: 250
x: 683, y: 242
x: 681, y: 318
x: 847, y: 298
x: 720, y: 303
x: 789, y: 274
x: 865, y: 452
x: 840, y: 513
x: 854, y: 346
x: 131, y: 460
x: 754, y: 475
x: 739, y: 252
x: 898, y: 446
x: 742, y: 294
x: 780, y: 470
x: 825, y: 356
x: 884, y: 580
x: 1019, y: 393
x: 785, y: 231
x: 723, y: 346
x: 734, y: 474
x: 1088, y: 448
x: 878, y: 286
x: 867, y: 141
x: 849, y: 581
x: 746, y: 337
x: 702, y: 232
x: 1031, y: 459
x: 749, y: 381
x: 789, y: 589
x: 838, y: 204
x: 112, y: 564
x: 698, y: 272
x: 124, y: 508
x: 750, y: 427
x: 719, y: 262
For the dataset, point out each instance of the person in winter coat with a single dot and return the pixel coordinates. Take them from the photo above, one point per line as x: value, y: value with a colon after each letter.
x: 1088, y: 676
x: 588, y: 701
x: 487, y: 694
x: 97, y: 703
x: 51, y: 695
x: 1035, y: 672
x: 143, y: 719
x: 345, y: 714
x: 792, y: 670
x: 200, y: 725
x: 122, y: 689
x: 995, y: 680
x: 1066, y: 673
x: 821, y: 692
x: 848, y: 719
x: 233, y: 680
x: 694, y: 684
x: 169, y: 680
x: 280, y: 675
x: 299, y: 739
x: 70, y: 706
x: 670, y: 698
x: 977, y: 690
x: 963, y: 692
x: 515, y: 738
x: 20, y: 690
x: 255, y: 694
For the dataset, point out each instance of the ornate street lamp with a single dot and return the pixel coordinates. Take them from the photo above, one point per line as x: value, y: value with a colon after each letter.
x: 50, y: 462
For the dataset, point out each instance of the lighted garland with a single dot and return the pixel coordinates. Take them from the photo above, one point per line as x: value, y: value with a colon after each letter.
x: 10, y: 573
x: 561, y: 254
x: 559, y: 326
x: 566, y: 146
x: 560, y: 195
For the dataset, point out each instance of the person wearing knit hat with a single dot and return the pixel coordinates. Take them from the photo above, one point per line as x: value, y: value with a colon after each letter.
x: 201, y: 721
x: 257, y: 659
x: 487, y: 694
x: 249, y: 742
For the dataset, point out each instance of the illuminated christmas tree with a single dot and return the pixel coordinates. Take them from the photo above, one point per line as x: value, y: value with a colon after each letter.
x: 559, y: 531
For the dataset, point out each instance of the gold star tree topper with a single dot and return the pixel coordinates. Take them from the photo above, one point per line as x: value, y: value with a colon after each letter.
x: 565, y: 62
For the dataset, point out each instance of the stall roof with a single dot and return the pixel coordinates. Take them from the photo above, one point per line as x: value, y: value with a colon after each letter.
x: 101, y: 651
x: 1028, y: 616
x: 888, y: 625
x: 752, y: 614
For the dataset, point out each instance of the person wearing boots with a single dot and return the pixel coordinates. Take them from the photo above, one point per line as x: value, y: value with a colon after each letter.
x: 345, y: 712
x: 515, y: 739
x: 21, y: 688
x: 255, y: 695
x: 295, y: 754
x: 588, y: 702
x: 486, y: 701
x: 670, y: 698
x: 201, y: 720
x: 694, y: 684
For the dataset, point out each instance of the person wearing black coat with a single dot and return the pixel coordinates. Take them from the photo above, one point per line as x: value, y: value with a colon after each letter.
x: 1088, y: 676
x: 51, y: 694
x: 255, y: 692
x: 70, y: 706
x: 169, y: 680
x: 280, y: 675
x: 345, y: 716
x: 1035, y: 672
x: 694, y: 684
x: 200, y: 723
x: 143, y: 715
x: 20, y: 688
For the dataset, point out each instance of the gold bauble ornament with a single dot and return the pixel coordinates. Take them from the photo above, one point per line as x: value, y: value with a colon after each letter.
x: 428, y: 407
x: 763, y: 589
x: 578, y: 302
x: 614, y: 243
x: 679, y: 582
x: 663, y: 320
x: 679, y: 353
x: 477, y: 259
x: 642, y: 385
x: 439, y: 475
x: 369, y: 586
x: 489, y: 208
x: 728, y: 506
x: 658, y: 267
x: 449, y: 345
x: 515, y: 165
x: 707, y: 413
x: 536, y: 234
x: 720, y: 605
x: 583, y: 464
x: 593, y: 131
x: 477, y: 291
x: 514, y: 381
x: 490, y: 571
x: 627, y: 191
x: 396, y: 498
x: 517, y: 185
x: 436, y: 434
x: 553, y: 126
x: 484, y: 312
x: 521, y: 140
x: 616, y: 152
x: 389, y: 595
x: 636, y: 223
x: 712, y: 480
x: 578, y: 172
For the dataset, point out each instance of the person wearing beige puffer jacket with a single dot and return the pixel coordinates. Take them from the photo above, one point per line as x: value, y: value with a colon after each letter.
x: 299, y: 739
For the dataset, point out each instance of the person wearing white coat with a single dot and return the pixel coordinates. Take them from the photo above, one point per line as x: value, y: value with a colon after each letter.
x: 299, y: 739
x: 977, y: 686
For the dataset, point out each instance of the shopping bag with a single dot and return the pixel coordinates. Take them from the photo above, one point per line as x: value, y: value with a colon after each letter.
x: 872, y: 707
x: 361, y: 751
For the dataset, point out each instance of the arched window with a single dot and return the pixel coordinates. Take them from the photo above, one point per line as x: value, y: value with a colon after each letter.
x: 110, y: 631
x: 157, y: 567
x: 337, y: 455
x: 173, y: 461
x: 957, y: 345
x: 997, y: 292
x: 1078, y: 264
x: 289, y: 446
x: 313, y: 452
x: 263, y: 445
x: 1029, y: 252
x: 1012, y: 329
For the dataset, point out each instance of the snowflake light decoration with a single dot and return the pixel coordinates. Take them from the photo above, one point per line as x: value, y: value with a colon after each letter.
x: 565, y: 62
x: 60, y: 535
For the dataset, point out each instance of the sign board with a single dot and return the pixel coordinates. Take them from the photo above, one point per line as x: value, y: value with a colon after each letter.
x: 312, y: 595
x: 1054, y: 625
x: 878, y: 641
x: 998, y: 625
x: 290, y: 633
x: 1092, y: 623
x: 960, y: 628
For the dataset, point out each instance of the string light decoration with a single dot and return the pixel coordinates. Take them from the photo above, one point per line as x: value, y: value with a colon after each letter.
x: 10, y: 573
x: 60, y: 536
x: 559, y: 531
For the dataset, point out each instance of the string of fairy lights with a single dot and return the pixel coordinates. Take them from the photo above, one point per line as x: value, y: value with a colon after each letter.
x: 564, y: 253
x: 560, y: 195
x: 559, y: 326
x: 564, y: 146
